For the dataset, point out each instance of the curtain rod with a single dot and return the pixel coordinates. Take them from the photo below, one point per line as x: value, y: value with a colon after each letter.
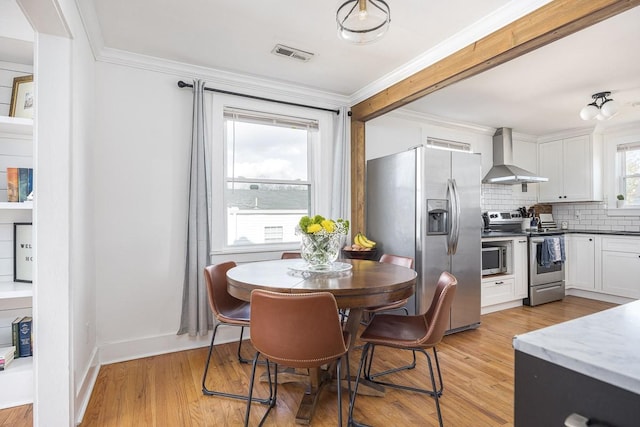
x: 183, y: 84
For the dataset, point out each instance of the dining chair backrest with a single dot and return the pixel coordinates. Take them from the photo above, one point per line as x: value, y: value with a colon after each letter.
x: 222, y: 304
x: 290, y: 255
x: 403, y: 261
x: 297, y: 330
x: 437, y: 316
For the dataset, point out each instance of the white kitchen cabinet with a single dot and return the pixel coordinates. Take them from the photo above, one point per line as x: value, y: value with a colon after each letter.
x: 501, y: 291
x: 621, y: 266
x: 574, y: 168
x: 520, y: 268
x: 581, y: 261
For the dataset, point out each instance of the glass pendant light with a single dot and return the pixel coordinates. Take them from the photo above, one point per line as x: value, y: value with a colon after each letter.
x: 363, y: 21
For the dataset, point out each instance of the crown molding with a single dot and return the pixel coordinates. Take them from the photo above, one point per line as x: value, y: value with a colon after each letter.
x: 225, y: 80
x: 430, y: 119
x: 487, y: 25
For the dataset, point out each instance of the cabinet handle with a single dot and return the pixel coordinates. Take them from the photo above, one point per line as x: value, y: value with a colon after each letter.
x: 591, y: 240
x: 559, y: 197
x: 500, y: 283
x: 564, y: 197
x: 577, y: 420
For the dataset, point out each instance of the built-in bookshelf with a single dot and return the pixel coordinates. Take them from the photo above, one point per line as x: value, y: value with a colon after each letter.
x: 16, y: 150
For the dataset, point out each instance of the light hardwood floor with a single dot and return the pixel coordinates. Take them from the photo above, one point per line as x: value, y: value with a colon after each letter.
x: 477, y: 367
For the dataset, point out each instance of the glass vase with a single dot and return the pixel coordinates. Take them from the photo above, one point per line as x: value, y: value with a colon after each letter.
x: 320, y: 250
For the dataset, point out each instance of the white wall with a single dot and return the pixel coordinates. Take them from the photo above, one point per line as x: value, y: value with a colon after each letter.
x: 143, y: 129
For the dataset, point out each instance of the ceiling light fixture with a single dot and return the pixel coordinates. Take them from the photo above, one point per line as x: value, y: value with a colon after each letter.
x: 602, y: 108
x: 363, y: 21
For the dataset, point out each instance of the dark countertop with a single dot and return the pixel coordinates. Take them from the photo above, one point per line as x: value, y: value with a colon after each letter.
x: 491, y: 234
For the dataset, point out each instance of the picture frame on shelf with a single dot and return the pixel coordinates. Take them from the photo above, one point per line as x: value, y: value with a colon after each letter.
x: 22, y: 252
x: 22, y: 97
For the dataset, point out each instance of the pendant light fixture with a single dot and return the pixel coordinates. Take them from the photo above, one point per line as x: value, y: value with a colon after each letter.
x: 602, y: 108
x: 363, y: 21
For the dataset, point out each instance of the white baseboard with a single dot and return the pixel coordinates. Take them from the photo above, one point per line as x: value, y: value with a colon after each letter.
x: 83, y: 392
x: 153, y: 346
x: 598, y: 296
x: 502, y: 306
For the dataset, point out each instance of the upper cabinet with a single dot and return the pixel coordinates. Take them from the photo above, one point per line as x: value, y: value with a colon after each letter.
x: 574, y: 168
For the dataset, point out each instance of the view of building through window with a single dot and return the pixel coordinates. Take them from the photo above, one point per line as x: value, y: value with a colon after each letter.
x: 267, y: 187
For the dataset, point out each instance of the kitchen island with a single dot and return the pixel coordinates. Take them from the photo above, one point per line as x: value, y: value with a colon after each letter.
x: 588, y: 366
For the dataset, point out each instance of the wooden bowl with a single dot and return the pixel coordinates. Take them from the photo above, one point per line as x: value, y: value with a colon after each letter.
x: 372, y: 254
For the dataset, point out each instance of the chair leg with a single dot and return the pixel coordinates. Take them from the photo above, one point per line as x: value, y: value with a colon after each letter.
x: 273, y: 390
x: 370, y: 376
x: 208, y: 392
x: 354, y: 392
x: 436, y: 394
x: 240, y: 358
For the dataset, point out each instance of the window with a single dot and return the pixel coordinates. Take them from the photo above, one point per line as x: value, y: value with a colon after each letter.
x: 628, y: 163
x: 268, y: 184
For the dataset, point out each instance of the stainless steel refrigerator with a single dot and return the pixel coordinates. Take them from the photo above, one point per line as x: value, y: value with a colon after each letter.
x: 425, y: 203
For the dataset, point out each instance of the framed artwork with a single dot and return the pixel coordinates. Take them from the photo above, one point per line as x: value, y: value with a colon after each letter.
x: 22, y: 98
x: 22, y: 252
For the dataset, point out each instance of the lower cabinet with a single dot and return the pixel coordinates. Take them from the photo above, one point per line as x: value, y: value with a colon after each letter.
x: 581, y: 261
x: 621, y: 266
x: 546, y: 394
x: 507, y: 290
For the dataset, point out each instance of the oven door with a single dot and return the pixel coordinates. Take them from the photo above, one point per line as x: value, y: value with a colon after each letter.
x: 539, y: 274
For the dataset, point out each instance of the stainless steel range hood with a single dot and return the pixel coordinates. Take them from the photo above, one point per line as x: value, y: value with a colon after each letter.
x: 503, y: 170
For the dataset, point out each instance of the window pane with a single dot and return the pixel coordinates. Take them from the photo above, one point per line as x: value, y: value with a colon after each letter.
x: 260, y: 151
x: 259, y: 213
x: 632, y: 190
x: 632, y: 165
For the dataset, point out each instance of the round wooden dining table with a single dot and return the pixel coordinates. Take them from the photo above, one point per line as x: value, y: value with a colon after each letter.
x: 360, y: 284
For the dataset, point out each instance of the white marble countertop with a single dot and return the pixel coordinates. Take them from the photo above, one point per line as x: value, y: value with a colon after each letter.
x: 604, y: 345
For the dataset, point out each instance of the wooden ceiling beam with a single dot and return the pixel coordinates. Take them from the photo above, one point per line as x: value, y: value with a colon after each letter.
x: 550, y: 22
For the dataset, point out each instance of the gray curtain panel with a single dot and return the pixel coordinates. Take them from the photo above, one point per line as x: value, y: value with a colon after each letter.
x: 341, y: 185
x: 196, y: 316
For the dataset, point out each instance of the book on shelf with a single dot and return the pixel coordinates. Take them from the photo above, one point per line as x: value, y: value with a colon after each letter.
x: 19, y: 184
x: 15, y: 336
x: 12, y: 184
x: 6, y: 356
x: 24, y: 335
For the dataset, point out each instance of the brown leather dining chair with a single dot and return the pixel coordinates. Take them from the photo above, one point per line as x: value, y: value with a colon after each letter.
x: 414, y: 333
x: 229, y: 311
x: 290, y: 255
x: 402, y: 261
x: 297, y: 331
x: 370, y: 312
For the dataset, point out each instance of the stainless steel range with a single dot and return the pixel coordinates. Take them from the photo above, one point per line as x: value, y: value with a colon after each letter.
x: 546, y: 279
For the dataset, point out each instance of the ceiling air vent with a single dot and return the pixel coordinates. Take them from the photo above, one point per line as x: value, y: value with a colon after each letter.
x: 292, y: 53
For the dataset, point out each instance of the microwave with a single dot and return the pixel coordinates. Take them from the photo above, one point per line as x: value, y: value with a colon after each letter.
x: 494, y: 259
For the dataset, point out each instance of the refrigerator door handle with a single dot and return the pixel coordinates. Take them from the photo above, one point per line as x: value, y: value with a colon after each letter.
x: 456, y: 216
x: 452, y: 238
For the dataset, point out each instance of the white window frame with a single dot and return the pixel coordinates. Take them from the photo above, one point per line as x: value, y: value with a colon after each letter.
x: 621, y: 169
x: 613, y: 138
x: 319, y: 167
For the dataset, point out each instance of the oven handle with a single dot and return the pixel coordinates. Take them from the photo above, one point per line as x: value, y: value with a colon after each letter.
x: 550, y: 288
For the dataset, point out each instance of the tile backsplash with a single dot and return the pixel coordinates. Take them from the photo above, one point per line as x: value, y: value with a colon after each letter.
x: 579, y: 216
x: 593, y: 216
x: 497, y: 197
